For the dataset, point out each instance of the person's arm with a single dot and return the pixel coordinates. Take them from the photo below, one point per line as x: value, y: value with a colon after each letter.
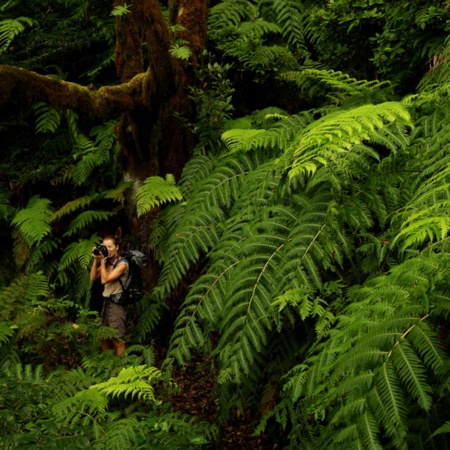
x: 95, y: 269
x: 106, y: 277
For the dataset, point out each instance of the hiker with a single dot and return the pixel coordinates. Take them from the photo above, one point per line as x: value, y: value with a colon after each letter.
x: 110, y: 267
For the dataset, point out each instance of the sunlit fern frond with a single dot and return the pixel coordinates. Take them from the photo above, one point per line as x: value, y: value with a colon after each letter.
x: 181, y: 52
x: 33, y: 221
x: 156, y: 191
x: 10, y: 28
x: 135, y: 382
x: 331, y: 140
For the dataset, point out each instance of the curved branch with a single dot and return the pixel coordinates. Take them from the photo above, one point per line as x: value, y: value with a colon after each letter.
x: 22, y: 86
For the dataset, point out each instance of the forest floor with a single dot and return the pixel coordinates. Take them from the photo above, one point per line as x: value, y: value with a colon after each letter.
x: 197, y: 396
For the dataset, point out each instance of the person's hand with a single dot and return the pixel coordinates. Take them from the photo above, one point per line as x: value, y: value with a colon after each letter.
x: 100, y: 256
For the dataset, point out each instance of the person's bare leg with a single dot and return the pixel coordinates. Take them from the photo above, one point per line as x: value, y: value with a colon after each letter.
x: 119, y: 347
x: 107, y: 345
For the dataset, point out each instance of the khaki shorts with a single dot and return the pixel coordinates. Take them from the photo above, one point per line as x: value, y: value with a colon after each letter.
x: 114, y: 316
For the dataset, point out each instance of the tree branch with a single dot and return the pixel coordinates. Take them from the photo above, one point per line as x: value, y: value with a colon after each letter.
x: 22, y: 86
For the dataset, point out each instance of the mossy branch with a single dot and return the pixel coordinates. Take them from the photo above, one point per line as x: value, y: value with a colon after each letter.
x: 27, y: 87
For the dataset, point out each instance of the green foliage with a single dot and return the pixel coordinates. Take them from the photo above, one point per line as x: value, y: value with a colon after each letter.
x: 136, y: 382
x: 303, y: 253
x: 33, y: 222
x: 10, y: 28
x: 156, y: 191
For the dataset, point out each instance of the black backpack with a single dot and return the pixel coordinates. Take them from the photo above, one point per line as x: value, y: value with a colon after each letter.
x: 134, y: 287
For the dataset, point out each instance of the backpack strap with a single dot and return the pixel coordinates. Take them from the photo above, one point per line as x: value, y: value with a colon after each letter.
x: 122, y: 258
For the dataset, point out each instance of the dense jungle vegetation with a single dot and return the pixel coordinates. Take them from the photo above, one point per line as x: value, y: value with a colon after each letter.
x: 285, y: 166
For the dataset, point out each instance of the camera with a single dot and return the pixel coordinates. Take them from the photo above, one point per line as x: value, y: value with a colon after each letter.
x: 100, y: 250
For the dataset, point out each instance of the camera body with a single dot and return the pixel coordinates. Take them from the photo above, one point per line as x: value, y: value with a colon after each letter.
x: 100, y: 250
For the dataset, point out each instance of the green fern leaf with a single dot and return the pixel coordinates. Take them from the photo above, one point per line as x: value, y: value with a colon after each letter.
x: 6, y: 332
x: 72, y: 206
x: 132, y: 381
x: 157, y: 191
x: 10, y: 28
x: 47, y: 120
x: 33, y: 222
x: 85, y: 220
x: 412, y: 373
x: 78, y: 252
x: 333, y: 137
x: 180, y: 52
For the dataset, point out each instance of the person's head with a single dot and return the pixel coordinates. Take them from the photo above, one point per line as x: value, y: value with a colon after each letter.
x: 112, y: 244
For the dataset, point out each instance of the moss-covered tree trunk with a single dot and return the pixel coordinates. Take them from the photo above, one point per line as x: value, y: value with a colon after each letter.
x: 153, y: 86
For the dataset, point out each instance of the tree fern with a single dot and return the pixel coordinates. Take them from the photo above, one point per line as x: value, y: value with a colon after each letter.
x: 383, y: 366
x: 331, y: 140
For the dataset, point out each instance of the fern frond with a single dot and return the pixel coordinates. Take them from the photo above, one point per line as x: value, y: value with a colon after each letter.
x: 72, y: 206
x: 118, y: 193
x: 412, y: 373
x: 10, y: 28
x: 6, y: 332
x: 228, y: 14
x: 79, y: 251
x: 196, y: 169
x: 85, y: 220
x: 33, y: 222
x: 330, y: 140
x: 157, y: 191
x: 339, y: 86
x: 289, y: 17
x: 131, y: 381
x: 194, y: 238
x: 6, y: 210
x: 85, y: 408
x: 276, y: 137
x: 47, y: 118
x: 180, y: 52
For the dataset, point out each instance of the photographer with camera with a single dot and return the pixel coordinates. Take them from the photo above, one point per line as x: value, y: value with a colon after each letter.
x: 110, y: 267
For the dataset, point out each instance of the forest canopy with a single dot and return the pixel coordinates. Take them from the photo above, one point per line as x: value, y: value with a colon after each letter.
x: 283, y: 166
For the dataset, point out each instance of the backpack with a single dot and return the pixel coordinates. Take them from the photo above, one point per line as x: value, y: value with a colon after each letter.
x: 134, y: 287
